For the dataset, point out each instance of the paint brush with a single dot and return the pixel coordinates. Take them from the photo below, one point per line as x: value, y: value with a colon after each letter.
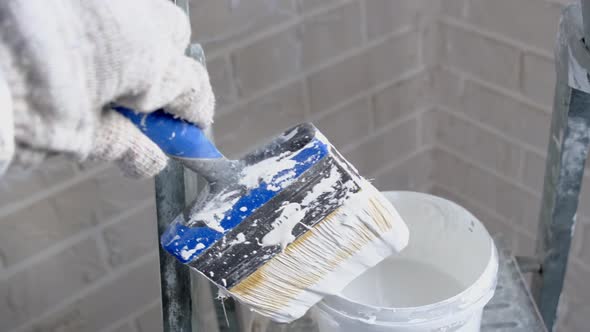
x: 280, y: 228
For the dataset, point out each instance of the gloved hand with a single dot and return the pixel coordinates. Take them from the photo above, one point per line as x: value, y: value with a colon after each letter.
x: 64, y: 61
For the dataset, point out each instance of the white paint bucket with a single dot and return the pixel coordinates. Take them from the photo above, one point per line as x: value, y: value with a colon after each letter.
x: 440, y: 282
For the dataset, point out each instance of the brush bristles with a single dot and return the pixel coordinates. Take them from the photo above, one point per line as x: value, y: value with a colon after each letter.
x: 355, y: 237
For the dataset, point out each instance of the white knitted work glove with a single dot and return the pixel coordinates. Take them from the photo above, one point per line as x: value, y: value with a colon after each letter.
x: 65, y: 60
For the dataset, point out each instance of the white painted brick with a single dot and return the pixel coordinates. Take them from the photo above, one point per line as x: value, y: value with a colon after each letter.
x: 578, y: 319
x: 496, y: 194
x: 584, y: 206
x: 16, y: 186
x: 481, y: 146
x: 81, y: 203
x: 396, y: 56
x: 499, y: 228
x: 431, y: 38
x: 118, y: 193
x: 40, y: 287
x: 582, y: 235
x: 576, y: 281
x: 455, y: 8
x: 346, y: 125
x: 104, y: 196
x: 386, y: 16
x: 125, y: 328
x: 428, y: 122
x: 579, y: 243
x: 28, y: 232
x: 330, y: 34
x: 534, y: 171
x: 394, y: 143
x: 400, y: 99
x: 528, y: 215
x: 358, y: 73
x: 531, y: 22
x: 260, y: 120
x: 151, y: 320
x: 219, y: 24
x: 131, y: 237
x: 318, y: 38
x: 563, y: 313
x: 412, y: 174
x: 263, y: 63
x: 525, y: 244
x: 113, y: 301
x: 222, y: 81
x: 306, y: 6
x: 481, y: 56
x: 538, y: 80
x: 520, y: 121
x: 446, y: 87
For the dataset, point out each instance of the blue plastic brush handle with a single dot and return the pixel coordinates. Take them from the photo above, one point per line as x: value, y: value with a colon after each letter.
x: 176, y: 137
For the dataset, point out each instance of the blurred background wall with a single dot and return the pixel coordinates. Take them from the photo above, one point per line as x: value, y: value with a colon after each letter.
x: 451, y: 97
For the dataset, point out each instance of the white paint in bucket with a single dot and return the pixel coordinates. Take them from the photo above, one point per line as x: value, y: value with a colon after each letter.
x: 419, y: 284
x: 440, y: 282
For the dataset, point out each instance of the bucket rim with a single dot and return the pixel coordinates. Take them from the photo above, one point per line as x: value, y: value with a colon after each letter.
x: 474, y: 297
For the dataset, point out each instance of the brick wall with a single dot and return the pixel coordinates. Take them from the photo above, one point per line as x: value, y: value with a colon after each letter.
x: 494, y: 91
x: 77, y: 243
x: 448, y: 96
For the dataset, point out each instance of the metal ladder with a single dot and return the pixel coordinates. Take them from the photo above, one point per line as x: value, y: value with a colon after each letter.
x: 514, y: 307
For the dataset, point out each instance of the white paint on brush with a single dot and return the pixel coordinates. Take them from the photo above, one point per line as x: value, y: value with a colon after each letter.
x: 326, y: 254
x: 251, y: 176
x: 281, y: 234
x: 282, y: 181
x: 293, y: 213
x: 186, y: 253
x: 324, y: 186
x: 215, y: 210
x: 143, y: 119
x: 240, y: 238
x: 290, y: 135
x: 266, y: 170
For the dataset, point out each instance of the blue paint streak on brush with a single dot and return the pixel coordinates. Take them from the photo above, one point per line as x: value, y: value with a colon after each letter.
x: 181, y: 139
x: 180, y: 239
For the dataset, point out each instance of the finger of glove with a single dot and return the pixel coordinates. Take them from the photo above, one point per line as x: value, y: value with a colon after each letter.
x: 133, y: 53
x: 118, y: 140
x: 184, y: 90
x: 170, y: 19
x: 150, y: 20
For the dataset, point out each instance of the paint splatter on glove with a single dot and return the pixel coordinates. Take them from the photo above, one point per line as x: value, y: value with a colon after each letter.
x: 64, y: 61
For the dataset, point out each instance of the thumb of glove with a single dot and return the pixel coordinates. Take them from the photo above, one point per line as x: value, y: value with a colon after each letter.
x: 118, y: 140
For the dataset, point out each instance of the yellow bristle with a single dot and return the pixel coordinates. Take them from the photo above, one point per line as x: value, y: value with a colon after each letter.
x: 289, y: 277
